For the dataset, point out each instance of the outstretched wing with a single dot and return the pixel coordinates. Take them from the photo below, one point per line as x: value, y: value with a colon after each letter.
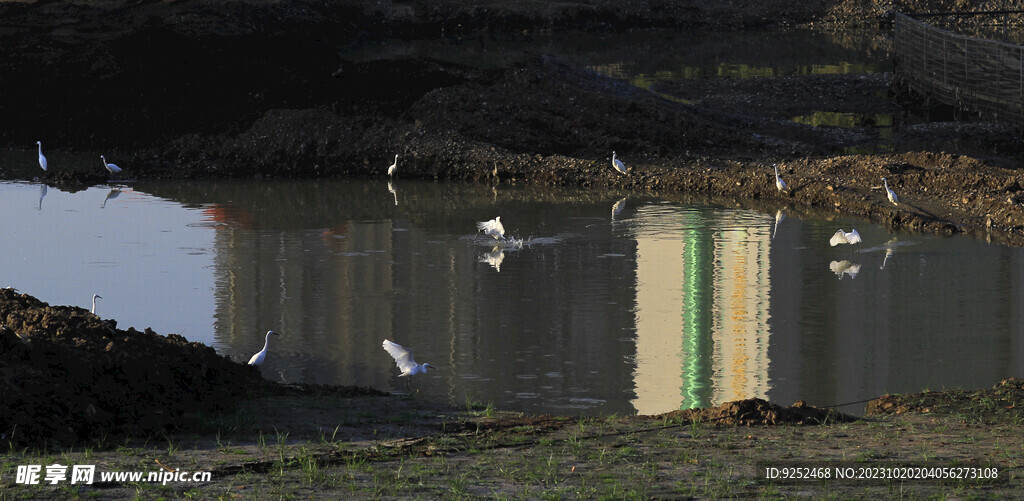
x: 838, y: 238
x: 486, y: 226
x: 402, y: 355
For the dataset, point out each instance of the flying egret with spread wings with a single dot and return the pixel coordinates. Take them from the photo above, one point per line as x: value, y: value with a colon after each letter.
x: 492, y: 228
x: 403, y: 359
x: 845, y: 237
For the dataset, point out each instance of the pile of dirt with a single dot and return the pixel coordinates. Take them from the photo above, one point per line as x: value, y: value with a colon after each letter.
x: 755, y: 411
x: 999, y: 401
x: 68, y: 376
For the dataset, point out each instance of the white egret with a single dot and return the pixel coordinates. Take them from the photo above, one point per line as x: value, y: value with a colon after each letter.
x: 618, y: 165
x: 42, y: 159
x: 844, y: 267
x: 889, y: 193
x: 779, y: 183
x: 392, y: 167
x: 113, y: 169
x: 843, y: 237
x: 492, y: 228
x: 257, y: 359
x: 94, y: 298
x: 403, y: 359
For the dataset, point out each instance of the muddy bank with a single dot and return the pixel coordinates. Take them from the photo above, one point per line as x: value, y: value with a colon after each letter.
x: 259, y: 89
x: 69, y: 376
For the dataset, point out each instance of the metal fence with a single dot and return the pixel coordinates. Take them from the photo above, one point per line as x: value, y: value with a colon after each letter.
x: 985, y: 77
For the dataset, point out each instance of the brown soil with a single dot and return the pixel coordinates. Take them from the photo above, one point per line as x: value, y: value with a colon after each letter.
x: 69, y: 376
x: 136, y: 82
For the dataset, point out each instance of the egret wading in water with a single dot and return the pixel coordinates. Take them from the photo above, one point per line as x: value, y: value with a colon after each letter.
x: 42, y: 159
x: 618, y: 165
x: 779, y: 183
x: 392, y: 167
x: 257, y: 359
x: 889, y: 193
x: 94, y: 298
x: 404, y: 361
x: 492, y: 228
x: 113, y: 169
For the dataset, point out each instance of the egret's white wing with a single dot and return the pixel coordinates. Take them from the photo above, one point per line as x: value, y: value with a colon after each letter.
x: 492, y: 228
x: 853, y: 237
x: 402, y: 355
x: 838, y: 238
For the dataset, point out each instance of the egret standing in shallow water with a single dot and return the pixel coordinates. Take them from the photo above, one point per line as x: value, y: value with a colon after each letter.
x: 403, y: 359
x: 257, y: 359
x: 618, y: 165
x: 94, y: 298
x: 889, y: 193
x: 492, y: 228
x: 779, y: 183
x: 113, y: 169
x: 392, y: 167
x: 42, y: 159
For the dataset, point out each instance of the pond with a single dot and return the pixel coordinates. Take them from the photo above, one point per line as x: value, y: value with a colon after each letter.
x: 611, y: 303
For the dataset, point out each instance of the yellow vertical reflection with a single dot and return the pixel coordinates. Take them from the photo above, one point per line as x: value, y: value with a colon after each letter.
x: 659, y: 327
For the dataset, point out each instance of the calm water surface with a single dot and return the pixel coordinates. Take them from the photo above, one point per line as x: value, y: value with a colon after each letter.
x: 612, y: 305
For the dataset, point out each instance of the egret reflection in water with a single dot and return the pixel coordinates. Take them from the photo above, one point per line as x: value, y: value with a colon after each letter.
x: 844, y: 267
x: 617, y: 208
x: 494, y: 257
x: 42, y: 194
x: 112, y: 194
x: 779, y: 216
x: 391, y: 189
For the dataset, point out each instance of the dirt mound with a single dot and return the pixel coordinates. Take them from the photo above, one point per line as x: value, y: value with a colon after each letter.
x: 72, y: 181
x: 69, y: 376
x: 754, y: 411
x: 1000, y: 400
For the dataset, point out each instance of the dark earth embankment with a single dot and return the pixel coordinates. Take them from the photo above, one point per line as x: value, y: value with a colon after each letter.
x: 257, y: 88
x: 68, y: 376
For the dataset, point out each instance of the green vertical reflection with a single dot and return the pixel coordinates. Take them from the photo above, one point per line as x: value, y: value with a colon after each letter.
x: 697, y: 343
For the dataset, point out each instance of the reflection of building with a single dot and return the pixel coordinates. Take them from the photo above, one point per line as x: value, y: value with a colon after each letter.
x: 740, y: 308
x: 702, y: 308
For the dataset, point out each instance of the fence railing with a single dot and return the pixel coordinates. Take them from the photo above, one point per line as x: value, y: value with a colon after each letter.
x: 981, y: 76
